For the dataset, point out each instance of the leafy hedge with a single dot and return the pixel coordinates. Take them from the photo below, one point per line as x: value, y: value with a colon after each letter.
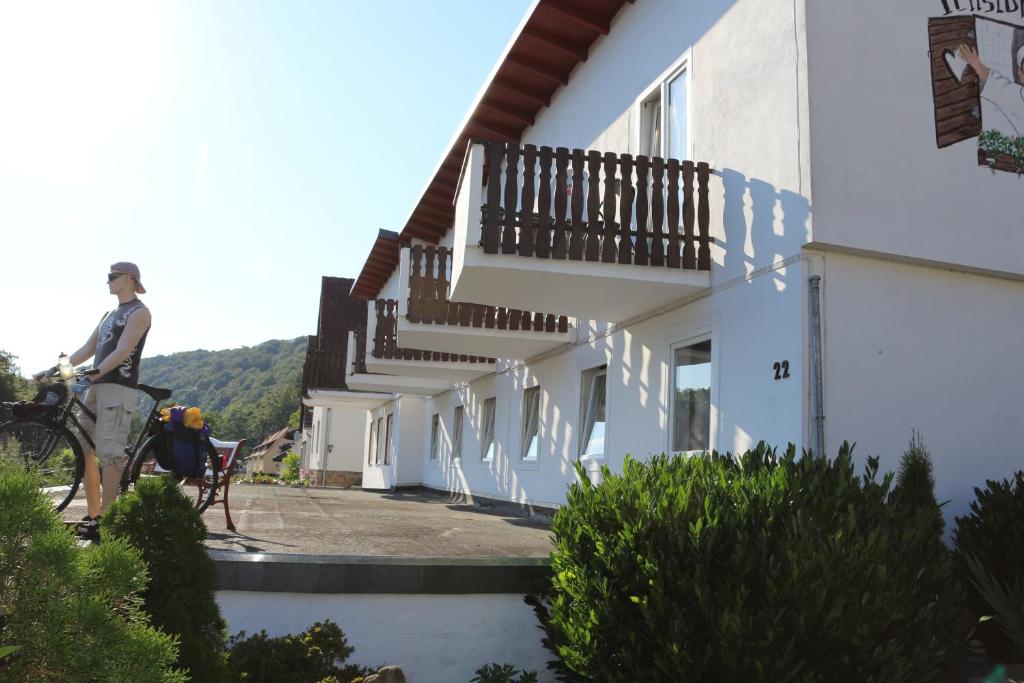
x: 159, y: 520
x: 317, y: 654
x: 989, y: 546
x: 759, y: 568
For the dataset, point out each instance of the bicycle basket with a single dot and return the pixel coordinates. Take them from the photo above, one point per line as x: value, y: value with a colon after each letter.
x: 44, y: 404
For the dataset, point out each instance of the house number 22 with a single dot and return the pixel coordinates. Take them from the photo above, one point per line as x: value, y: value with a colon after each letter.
x: 781, y: 369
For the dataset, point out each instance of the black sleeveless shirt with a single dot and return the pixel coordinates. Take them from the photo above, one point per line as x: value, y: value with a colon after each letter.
x: 110, y: 331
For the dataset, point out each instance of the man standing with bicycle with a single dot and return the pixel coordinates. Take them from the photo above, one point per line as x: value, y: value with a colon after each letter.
x: 116, y: 348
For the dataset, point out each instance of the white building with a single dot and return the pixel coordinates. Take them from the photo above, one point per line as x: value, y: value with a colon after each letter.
x: 842, y: 262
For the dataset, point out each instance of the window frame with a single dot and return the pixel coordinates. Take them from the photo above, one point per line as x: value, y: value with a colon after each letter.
x: 371, y: 445
x: 376, y: 448
x: 435, y: 438
x: 658, y: 89
x: 587, y: 377
x: 488, y: 421
x: 387, y: 439
x: 525, y: 439
x: 458, y: 429
x: 680, y: 343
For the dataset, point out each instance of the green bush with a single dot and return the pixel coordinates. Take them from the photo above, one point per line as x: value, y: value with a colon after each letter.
x: 260, y: 478
x: 74, y: 614
x: 162, y: 522
x: 502, y: 673
x: 291, y: 468
x: 316, y: 654
x: 760, y: 568
x: 989, y: 552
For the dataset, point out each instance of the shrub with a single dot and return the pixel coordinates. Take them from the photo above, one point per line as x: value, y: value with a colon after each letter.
x: 316, y: 654
x: 991, y: 538
x: 162, y: 522
x: 755, y: 568
x: 503, y: 673
x: 74, y: 614
x: 261, y: 478
x: 290, y: 466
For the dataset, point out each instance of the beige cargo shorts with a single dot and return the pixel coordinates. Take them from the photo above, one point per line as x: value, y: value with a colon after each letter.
x: 113, y: 405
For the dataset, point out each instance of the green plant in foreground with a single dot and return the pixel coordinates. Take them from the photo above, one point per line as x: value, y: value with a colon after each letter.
x: 503, y: 673
x: 989, y: 553
x: 760, y: 568
x: 994, y: 142
x: 73, y: 613
x: 316, y: 654
x: 161, y: 521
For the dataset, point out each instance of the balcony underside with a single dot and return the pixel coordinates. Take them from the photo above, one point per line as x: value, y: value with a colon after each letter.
x: 588, y: 290
x: 449, y: 371
x: 494, y: 342
x: 398, y: 384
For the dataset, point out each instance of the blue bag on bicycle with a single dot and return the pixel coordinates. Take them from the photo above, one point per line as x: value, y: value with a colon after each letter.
x: 187, y: 450
x: 181, y: 446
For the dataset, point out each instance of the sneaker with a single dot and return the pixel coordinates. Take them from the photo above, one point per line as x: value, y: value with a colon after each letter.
x: 89, y: 530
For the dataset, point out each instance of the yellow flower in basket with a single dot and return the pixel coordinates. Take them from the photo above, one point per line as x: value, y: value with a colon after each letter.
x: 165, y: 414
x: 193, y: 419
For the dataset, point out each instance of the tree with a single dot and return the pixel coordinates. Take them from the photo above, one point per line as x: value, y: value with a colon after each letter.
x: 74, y: 614
x: 12, y: 386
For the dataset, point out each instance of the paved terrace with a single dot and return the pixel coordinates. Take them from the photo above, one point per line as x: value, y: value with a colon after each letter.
x: 352, y: 541
x: 280, y: 519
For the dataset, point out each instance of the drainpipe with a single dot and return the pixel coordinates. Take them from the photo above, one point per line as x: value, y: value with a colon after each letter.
x: 817, y: 394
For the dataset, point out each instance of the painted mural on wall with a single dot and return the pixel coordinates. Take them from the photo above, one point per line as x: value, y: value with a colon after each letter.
x: 977, y: 65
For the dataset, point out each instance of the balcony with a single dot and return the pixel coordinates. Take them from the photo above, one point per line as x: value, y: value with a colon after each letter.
x: 391, y: 368
x: 598, y: 236
x: 428, y: 318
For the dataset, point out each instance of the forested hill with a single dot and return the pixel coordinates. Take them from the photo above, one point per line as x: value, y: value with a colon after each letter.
x: 248, y: 392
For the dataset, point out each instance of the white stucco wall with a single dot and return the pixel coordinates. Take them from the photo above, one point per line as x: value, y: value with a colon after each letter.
x: 341, y: 438
x: 880, y: 181
x: 403, y: 466
x: 752, y: 324
x: 911, y: 347
x: 434, y: 638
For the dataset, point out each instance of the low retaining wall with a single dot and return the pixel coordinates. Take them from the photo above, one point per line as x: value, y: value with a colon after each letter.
x: 439, y: 619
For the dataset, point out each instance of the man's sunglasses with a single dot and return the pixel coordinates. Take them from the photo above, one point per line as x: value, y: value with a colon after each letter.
x: 113, y: 276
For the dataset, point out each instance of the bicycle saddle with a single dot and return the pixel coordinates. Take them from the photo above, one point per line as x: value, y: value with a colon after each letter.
x: 156, y: 393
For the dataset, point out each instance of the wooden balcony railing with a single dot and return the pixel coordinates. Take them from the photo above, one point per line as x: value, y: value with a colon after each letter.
x: 385, y: 342
x: 587, y: 206
x: 429, y: 279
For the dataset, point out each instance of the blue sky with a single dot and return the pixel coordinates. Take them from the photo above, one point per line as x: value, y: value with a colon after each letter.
x: 237, y: 151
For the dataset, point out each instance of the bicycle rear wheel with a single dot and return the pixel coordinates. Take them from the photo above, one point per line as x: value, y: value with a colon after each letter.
x: 51, y: 450
x: 201, y: 490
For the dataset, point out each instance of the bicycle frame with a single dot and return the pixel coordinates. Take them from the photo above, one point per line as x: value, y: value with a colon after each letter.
x: 67, y: 415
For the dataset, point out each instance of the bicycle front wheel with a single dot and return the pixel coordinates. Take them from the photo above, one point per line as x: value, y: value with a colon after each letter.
x: 51, y: 450
x: 201, y: 490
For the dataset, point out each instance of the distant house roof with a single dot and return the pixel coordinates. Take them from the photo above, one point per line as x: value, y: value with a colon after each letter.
x: 554, y: 37
x: 267, y: 443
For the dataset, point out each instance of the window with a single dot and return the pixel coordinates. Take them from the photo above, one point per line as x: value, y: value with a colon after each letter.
x: 457, y: 433
x: 435, y: 436
x: 592, y: 414
x: 371, y: 447
x: 531, y: 420
x: 691, y: 408
x: 664, y: 124
x: 487, y: 442
x: 387, y: 441
x: 376, y: 442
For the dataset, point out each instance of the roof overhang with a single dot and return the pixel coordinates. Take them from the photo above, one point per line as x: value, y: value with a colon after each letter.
x: 549, y: 43
x: 326, y: 398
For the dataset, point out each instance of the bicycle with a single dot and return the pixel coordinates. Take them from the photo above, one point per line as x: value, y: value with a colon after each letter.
x: 47, y: 437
